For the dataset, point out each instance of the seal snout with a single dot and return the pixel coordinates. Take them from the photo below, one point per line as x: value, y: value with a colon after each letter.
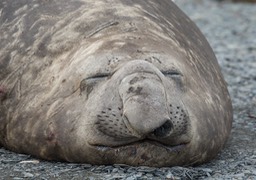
x: 144, y: 105
x: 147, y: 109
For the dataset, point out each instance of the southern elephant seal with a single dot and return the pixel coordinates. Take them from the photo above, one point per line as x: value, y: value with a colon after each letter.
x: 107, y: 81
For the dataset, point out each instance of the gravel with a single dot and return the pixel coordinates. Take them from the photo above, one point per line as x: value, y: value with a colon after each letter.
x: 231, y: 31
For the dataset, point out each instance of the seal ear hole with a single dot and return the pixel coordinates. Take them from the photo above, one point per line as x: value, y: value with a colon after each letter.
x: 87, y: 86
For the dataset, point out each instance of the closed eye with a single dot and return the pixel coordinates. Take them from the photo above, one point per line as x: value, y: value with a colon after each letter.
x: 177, y: 77
x: 173, y: 73
x: 99, y: 76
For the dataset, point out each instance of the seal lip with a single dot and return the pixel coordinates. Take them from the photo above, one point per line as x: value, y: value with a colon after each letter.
x: 146, y: 142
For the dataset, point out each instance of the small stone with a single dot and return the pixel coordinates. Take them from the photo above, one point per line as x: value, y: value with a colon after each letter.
x: 130, y: 178
x: 239, y: 175
x: 30, y: 161
x: 146, y: 169
x: 27, y: 175
x: 169, y: 176
x: 86, y: 166
x: 254, y: 172
x: 206, y: 170
x: 17, y: 178
x: 138, y: 175
x: 149, y: 175
x: 131, y: 169
x: 247, y: 172
x: 115, y: 170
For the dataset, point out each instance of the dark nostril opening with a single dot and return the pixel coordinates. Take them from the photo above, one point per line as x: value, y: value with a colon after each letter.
x: 163, y: 130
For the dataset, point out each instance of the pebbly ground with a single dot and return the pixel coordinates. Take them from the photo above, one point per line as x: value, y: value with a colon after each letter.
x: 231, y: 31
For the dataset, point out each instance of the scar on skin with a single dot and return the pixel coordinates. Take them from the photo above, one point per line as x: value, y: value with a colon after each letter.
x: 2, y: 92
x: 2, y: 89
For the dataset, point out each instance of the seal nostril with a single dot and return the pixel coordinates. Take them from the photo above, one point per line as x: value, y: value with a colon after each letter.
x: 163, y: 130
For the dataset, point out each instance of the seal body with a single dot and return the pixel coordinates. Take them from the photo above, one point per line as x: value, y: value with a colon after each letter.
x: 104, y: 82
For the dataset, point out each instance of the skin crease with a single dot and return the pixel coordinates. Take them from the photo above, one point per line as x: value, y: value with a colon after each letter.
x: 106, y: 82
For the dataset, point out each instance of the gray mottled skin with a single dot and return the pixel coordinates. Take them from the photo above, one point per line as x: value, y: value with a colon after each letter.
x: 103, y: 82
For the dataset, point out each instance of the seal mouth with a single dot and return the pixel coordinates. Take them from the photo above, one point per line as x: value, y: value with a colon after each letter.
x: 144, y: 143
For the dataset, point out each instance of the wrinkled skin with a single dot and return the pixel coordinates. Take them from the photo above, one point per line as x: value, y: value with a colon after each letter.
x: 103, y: 82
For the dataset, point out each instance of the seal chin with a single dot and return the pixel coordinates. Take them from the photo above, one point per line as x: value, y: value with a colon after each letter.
x: 144, y: 152
x: 145, y: 143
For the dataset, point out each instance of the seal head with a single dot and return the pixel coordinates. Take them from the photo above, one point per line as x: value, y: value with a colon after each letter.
x: 110, y: 82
